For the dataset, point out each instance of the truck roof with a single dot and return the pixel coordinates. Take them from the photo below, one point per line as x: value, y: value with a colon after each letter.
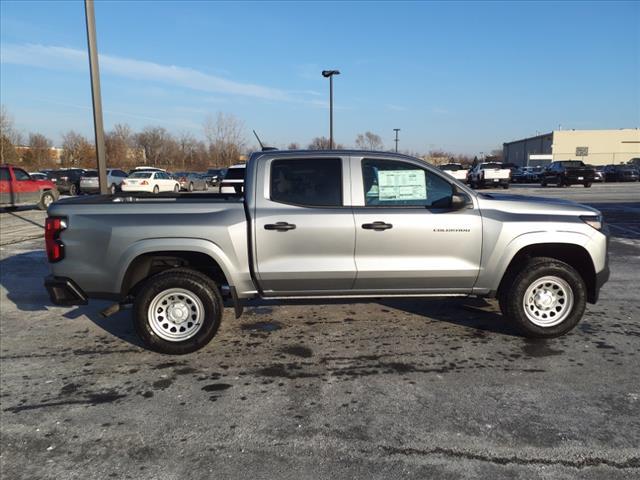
x: 329, y: 153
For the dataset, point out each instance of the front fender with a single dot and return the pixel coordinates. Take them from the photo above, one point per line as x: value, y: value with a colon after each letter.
x: 495, y: 263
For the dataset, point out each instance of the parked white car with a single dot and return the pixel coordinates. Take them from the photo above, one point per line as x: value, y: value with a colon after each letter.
x: 153, y: 182
x: 486, y: 174
x: 89, y: 180
x: 233, y: 181
x: 456, y: 170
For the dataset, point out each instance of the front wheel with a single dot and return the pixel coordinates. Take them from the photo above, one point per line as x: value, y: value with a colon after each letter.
x: 176, y: 188
x: 587, y: 185
x: 73, y: 190
x: 546, y: 299
x: 156, y: 190
x: 112, y: 189
x: 177, y: 311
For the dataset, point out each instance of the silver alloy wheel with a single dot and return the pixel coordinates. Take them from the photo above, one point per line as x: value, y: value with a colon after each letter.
x: 47, y: 199
x: 175, y: 314
x: 548, y: 301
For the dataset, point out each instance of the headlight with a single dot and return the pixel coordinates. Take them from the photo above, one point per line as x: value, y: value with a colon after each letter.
x: 594, y: 221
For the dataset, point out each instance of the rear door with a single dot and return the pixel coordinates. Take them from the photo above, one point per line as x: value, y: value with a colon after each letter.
x: 26, y: 189
x: 6, y: 187
x: 408, y: 238
x: 304, y: 234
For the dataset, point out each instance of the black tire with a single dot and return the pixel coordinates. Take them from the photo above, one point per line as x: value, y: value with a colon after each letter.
x: 206, y: 186
x: 197, y: 284
x: 73, y: 190
x: 191, y: 186
x: 113, y: 189
x: 45, y: 200
x: 516, y: 284
x: 505, y: 186
x: 176, y: 188
x: 587, y: 185
x: 543, y: 183
x: 156, y: 190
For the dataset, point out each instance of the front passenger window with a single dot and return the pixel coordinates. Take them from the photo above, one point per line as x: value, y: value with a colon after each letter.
x: 398, y: 184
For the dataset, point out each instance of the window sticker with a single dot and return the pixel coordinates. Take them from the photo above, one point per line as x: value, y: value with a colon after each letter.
x: 402, y: 185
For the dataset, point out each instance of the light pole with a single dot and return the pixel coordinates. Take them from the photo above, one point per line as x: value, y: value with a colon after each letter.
x: 396, y: 130
x: 329, y: 74
x: 95, y: 95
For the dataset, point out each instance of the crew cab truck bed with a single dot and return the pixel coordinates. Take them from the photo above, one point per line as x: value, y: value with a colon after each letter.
x: 325, y: 224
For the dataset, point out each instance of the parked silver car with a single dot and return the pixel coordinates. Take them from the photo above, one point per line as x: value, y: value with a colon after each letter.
x: 191, y: 181
x: 89, y: 181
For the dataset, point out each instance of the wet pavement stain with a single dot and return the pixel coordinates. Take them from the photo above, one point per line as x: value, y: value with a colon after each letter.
x: 163, y: 384
x: 262, y: 326
x: 297, y: 351
x: 216, y: 387
x: 539, y: 348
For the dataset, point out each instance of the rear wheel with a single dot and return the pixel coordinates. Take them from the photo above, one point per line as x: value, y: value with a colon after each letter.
x: 177, y: 311
x: 587, y: 185
x: 191, y: 186
x: 156, y: 189
x: 546, y: 299
x: 46, y: 199
x: 176, y: 188
x: 73, y: 190
x: 112, y: 189
x: 505, y: 186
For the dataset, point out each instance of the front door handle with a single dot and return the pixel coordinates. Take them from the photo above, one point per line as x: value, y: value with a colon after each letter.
x: 377, y: 226
x: 280, y: 226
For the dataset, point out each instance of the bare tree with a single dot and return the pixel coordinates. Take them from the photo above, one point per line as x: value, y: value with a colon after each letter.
x: 293, y: 146
x: 8, y: 138
x: 160, y: 148
x: 319, y: 143
x: 118, y: 143
x: 225, y: 135
x: 39, y: 153
x: 77, y: 151
x: 369, y: 141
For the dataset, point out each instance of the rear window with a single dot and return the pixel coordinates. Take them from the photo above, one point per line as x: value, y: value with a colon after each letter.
x: 307, y: 182
x: 235, y: 174
x: 493, y: 165
x: 451, y: 168
x: 90, y: 174
x: 141, y: 175
x: 572, y: 163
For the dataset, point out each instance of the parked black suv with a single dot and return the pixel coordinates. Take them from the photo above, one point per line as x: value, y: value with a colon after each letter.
x: 621, y: 173
x: 67, y: 180
x: 568, y: 172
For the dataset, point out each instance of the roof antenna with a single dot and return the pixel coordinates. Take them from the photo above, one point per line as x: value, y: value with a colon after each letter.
x: 262, y: 147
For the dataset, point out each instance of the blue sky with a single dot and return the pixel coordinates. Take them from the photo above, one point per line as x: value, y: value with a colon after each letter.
x: 464, y: 77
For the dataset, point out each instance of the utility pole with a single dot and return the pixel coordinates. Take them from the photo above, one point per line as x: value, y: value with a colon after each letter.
x: 396, y: 130
x: 94, y: 72
x: 329, y: 74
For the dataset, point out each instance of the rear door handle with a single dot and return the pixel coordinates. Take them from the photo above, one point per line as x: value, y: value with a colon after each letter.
x: 280, y: 226
x: 377, y: 226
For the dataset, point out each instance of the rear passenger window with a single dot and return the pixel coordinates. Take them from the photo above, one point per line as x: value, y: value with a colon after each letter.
x: 312, y: 182
x: 4, y: 174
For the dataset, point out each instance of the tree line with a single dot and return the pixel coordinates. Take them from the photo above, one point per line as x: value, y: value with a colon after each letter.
x: 224, y: 143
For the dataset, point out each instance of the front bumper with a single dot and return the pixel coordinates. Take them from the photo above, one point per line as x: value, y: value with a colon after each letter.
x: 64, y: 291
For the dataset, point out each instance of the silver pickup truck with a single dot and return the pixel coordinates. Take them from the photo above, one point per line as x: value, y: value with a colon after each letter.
x: 324, y: 224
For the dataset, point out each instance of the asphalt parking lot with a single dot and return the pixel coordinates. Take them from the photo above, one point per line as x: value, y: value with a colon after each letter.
x: 384, y: 389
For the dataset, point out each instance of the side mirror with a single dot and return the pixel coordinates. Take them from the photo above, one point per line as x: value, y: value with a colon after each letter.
x: 459, y: 201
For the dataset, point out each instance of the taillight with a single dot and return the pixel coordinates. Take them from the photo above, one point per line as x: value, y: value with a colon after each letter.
x: 144, y: 182
x: 52, y: 228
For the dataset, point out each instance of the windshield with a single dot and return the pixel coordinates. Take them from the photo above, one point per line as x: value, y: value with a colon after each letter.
x: 141, y: 175
x: 90, y: 174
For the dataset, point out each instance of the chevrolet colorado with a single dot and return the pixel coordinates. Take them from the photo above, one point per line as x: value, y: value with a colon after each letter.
x: 324, y: 224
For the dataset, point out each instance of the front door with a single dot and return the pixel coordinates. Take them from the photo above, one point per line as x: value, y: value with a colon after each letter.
x: 27, y: 190
x: 408, y: 237
x: 304, y: 233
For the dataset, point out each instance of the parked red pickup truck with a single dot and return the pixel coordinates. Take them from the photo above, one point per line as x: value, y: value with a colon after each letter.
x: 18, y: 188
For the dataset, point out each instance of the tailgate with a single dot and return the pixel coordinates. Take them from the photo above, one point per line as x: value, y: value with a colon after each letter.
x: 496, y: 173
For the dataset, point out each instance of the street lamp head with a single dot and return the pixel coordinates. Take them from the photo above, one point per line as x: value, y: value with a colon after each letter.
x: 328, y: 73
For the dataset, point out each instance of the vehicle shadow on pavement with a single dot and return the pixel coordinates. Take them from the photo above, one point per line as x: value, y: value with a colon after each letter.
x: 24, y: 219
